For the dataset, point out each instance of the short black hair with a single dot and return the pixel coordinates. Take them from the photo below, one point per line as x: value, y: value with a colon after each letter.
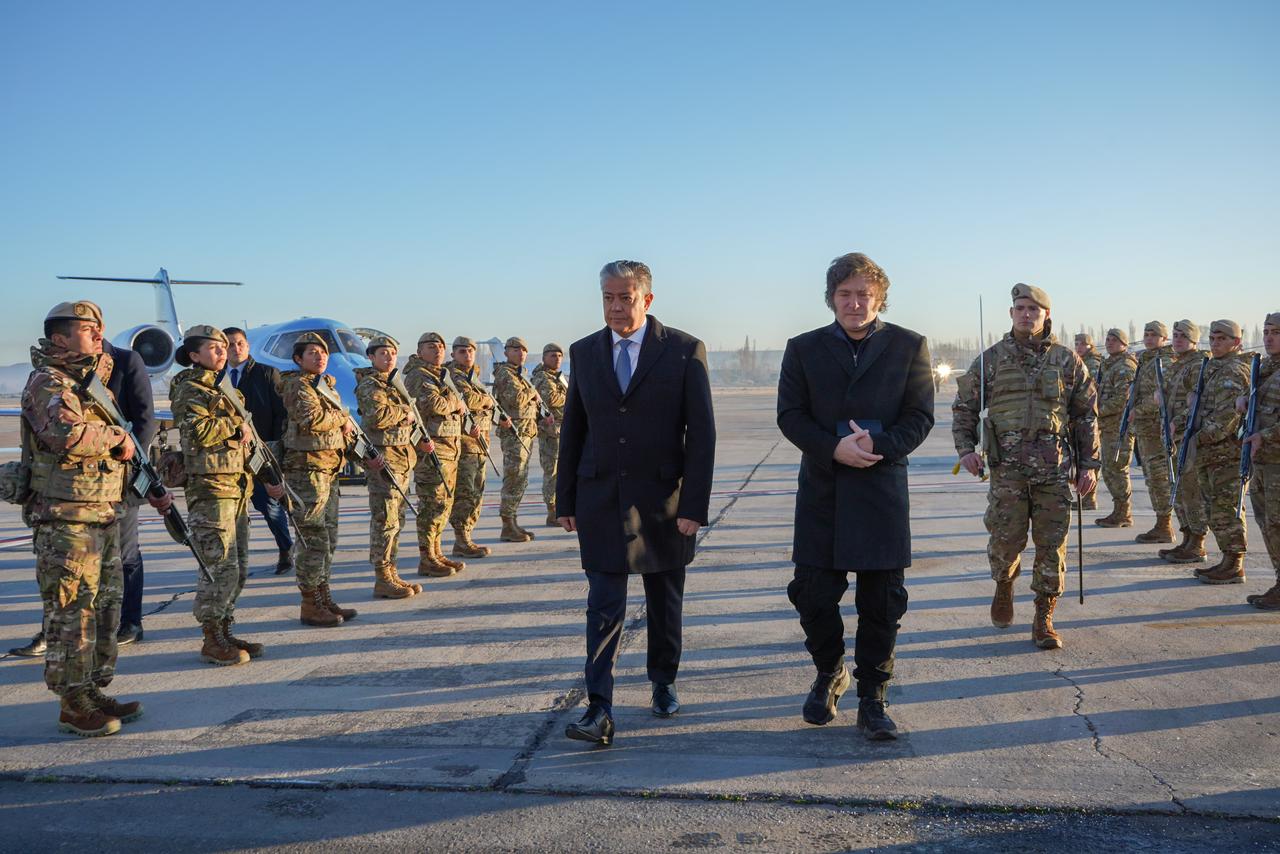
x: 234, y: 330
x: 58, y: 326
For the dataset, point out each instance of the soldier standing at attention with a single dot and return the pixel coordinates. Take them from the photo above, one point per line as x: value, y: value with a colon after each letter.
x: 1042, y: 411
x: 315, y: 444
x: 387, y: 418
x: 1113, y: 393
x: 519, y: 399
x: 77, y: 483
x: 1177, y: 390
x: 1146, y: 431
x: 552, y: 388
x: 475, y: 448
x: 1092, y: 362
x: 436, y: 477
x: 1264, y: 486
x: 1226, y: 377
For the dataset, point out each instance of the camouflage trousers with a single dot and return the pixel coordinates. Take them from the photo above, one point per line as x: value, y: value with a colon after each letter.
x: 220, y: 527
x: 548, y: 451
x: 1187, y: 504
x: 1155, y: 468
x: 1116, y: 474
x: 387, y: 506
x: 1016, y: 500
x: 1264, y: 492
x: 515, y: 470
x: 81, y: 584
x: 1219, y: 492
x: 469, y: 493
x: 317, y: 521
x: 434, y: 502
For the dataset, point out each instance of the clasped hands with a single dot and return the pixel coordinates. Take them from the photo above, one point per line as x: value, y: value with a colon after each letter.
x: 857, y: 450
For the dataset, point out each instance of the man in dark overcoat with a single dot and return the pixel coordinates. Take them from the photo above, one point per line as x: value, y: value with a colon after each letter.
x: 856, y: 397
x: 637, y: 451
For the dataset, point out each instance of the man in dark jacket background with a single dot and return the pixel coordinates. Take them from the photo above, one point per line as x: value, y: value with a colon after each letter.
x: 856, y: 397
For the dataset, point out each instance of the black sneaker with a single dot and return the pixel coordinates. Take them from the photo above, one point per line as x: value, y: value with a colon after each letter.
x: 33, y: 649
x: 873, y: 720
x: 820, y: 705
x: 284, y: 565
x: 128, y: 634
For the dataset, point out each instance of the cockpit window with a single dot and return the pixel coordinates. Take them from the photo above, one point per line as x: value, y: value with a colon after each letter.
x: 283, y: 346
x: 351, y: 342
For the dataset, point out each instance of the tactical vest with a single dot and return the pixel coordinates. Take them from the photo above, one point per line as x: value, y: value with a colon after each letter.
x: 91, y: 481
x: 299, y: 437
x: 443, y: 426
x: 392, y: 436
x: 528, y: 408
x: 1027, y: 404
x: 227, y: 457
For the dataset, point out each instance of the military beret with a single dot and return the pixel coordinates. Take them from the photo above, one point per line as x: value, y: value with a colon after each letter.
x: 381, y: 341
x: 78, y: 310
x: 1031, y: 292
x: 1084, y: 338
x: 194, y: 335
x: 1189, y: 329
x: 517, y: 341
x: 1229, y: 328
x: 1273, y: 319
x: 553, y: 347
x: 428, y: 337
x: 1157, y: 327
x: 464, y: 341
x: 311, y: 338
x: 1119, y: 334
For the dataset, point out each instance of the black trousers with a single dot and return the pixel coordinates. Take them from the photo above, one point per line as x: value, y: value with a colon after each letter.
x: 881, y: 600
x: 131, y: 559
x: 606, y: 610
x: 273, y: 511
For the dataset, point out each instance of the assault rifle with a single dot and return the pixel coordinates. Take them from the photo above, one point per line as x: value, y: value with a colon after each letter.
x: 1247, y: 428
x: 262, y: 462
x: 1127, y: 416
x: 1189, y: 434
x: 469, y: 421
x: 1166, y: 428
x: 503, y: 416
x: 145, y: 481
x: 419, y: 433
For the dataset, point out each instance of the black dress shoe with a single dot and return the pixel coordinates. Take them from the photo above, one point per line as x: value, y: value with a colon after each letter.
x: 665, y: 701
x: 128, y: 634
x: 33, y: 649
x: 285, y: 564
x: 595, y: 726
x: 873, y: 721
x: 820, y: 705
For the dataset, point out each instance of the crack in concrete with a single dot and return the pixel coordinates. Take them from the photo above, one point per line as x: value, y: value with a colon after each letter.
x: 1110, y: 753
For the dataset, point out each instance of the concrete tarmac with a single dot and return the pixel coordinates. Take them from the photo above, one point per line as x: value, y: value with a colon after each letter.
x: 1162, y: 712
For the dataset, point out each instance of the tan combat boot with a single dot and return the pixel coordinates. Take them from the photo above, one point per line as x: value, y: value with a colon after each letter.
x: 522, y: 530
x: 216, y: 650
x: 512, y: 533
x: 1042, y: 632
x: 413, y: 586
x: 1090, y: 501
x: 464, y: 546
x: 315, y: 612
x: 1269, y: 601
x: 428, y: 564
x: 334, y: 608
x: 1002, y: 605
x: 125, y: 712
x: 455, y: 565
x: 255, y: 650
x: 1186, y: 537
x: 1119, y: 517
x: 551, y: 517
x: 1230, y: 571
x: 385, y: 587
x: 1161, y: 531
x: 81, y: 716
x: 1192, y: 551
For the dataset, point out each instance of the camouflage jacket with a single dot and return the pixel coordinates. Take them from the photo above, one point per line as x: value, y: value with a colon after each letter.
x: 1177, y: 390
x: 1113, y: 390
x: 1146, y: 412
x: 518, y: 397
x: 1041, y: 403
x: 438, y: 408
x: 554, y: 389
x: 478, y: 401
x: 1268, y: 423
x: 75, y: 473
x: 1092, y: 362
x: 385, y: 414
x: 313, y: 439
x: 1225, y: 379
x: 213, y: 453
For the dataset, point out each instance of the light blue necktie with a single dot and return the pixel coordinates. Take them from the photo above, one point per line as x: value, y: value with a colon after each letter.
x: 623, y: 367
x: 235, y: 378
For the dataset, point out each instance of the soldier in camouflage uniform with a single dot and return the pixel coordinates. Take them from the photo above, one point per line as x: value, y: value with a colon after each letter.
x: 1042, y: 411
x: 1147, y: 432
x: 1191, y: 519
x: 1264, y: 486
x: 519, y: 400
x: 1092, y: 362
x: 315, y: 444
x: 78, y: 472
x: 1114, y: 378
x: 215, y: 447
x: 1217, y: 450
x: 552, y: 388
x: 388, y: 419
x: 436, y: 476
x: 465, y: 379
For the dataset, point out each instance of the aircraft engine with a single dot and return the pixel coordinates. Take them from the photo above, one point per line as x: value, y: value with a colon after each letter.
x: 150, y: 342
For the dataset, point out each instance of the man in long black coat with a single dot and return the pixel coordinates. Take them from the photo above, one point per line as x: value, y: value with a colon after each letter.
x: 637, y: 451
x: 856, y: 397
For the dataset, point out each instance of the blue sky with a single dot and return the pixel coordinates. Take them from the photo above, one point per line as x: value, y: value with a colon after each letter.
x: 469, y: 167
